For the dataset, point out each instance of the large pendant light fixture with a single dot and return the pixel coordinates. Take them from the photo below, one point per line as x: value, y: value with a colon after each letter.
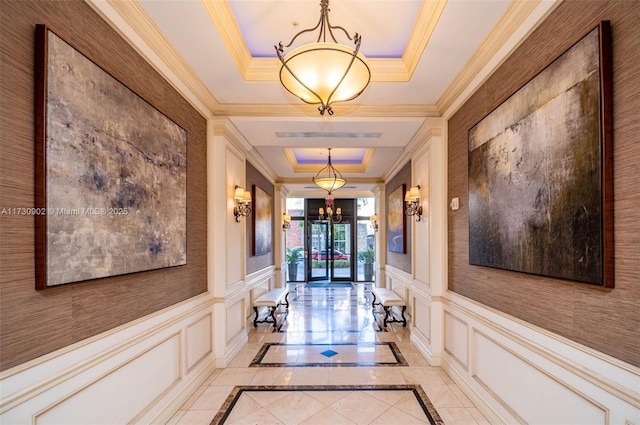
x: 324, y: 72
x: 328, y: 178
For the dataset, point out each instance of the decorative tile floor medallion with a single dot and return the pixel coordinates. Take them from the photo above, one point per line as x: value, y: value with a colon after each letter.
x: 345, y: 404
x: 328, y: 355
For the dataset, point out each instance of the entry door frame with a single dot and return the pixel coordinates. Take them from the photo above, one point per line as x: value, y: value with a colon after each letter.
x: 329, y: 243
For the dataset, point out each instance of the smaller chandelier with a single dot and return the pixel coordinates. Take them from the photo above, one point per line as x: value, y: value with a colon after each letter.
x: 327, y: 213
x: 328, y: 178
x: 324, y: 72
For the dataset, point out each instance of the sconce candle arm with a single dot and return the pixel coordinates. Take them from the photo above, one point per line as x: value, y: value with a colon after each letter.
x: 286, y: 221
x: 412, y: 200
x: 243, y: 203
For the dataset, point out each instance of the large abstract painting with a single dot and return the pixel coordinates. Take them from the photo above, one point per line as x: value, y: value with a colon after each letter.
x: 396, y: 220
x: 111, y: 173
x: 540, y: 168
x: 262, y: 221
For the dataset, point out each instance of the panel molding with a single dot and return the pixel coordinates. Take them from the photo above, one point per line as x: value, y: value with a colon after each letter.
x: 526, y: 361
x: 396, y: 277
x: 464, y: 363
x: 539, y: 347
x: 45, y: 382
x: 608, y: 384
x: 118, y: 367
x: 70, y: 368
x: 209, y: 318
x: 136, y: 25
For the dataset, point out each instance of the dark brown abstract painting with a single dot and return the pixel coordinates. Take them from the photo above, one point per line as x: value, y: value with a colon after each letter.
x: 111, y: 173
x: 536, y: 181
x: 396, y: 220
x: 262, y: 221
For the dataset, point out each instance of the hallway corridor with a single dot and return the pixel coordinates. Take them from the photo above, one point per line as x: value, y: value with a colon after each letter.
x: 331, y: 364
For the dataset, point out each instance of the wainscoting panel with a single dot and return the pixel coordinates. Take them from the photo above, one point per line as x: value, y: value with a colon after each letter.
x: 456, y: 341
x: 160, y: 365
x: 422, y: 317
x: 235, y: 318
x: 500, y: 371
x: 199, y: 340
x: 136, y: 373
x: 397, y: 280
x: 519, y: 373
x: 421, y: 322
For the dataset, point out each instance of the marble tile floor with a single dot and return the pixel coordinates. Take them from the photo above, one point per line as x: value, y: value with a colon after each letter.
x: 327, y: 320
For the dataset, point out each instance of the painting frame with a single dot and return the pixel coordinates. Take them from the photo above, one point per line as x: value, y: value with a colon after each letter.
x: 262, y: 222
x: 541, y: 171
x: 101, y: 153
x: 396, y: 221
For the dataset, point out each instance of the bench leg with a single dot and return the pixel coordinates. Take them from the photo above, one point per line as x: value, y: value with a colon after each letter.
x: 286, y: 300
x: 273, y: 316
x: 373, y: 312
x: 388, y: 317
x: 283, y: 317
x: 255, y: 320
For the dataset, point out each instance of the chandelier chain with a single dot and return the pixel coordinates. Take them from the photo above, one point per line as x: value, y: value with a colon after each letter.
x: 325, y: 27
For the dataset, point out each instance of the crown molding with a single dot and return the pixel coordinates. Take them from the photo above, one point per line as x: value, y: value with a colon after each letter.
x: 268, y: 69
x: 351, y: 109
x: 262, y: 166
x: 133, y: 14
x: 222, y: 126
x: 313, y: 168
x: 426, y: 22
x: 431, y: 127
x: 512, y: 19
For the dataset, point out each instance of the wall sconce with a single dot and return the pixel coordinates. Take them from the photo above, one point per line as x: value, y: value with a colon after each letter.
x: 286, y: 220
x: 374, y: 222
x: 412, y: 198
x: 243, y: 203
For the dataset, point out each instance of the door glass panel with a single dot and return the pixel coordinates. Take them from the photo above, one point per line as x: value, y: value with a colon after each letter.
x: 366, y: 254
x: 341, y: 253
x: 295, y: 251
x: 318, y: 241
x: 365, y: 240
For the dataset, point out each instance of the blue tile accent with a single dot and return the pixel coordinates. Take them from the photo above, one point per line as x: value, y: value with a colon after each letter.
x: 329, y: 353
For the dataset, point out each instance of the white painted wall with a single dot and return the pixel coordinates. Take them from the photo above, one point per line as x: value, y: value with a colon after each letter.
x: 429, y: 241
x: 234, y: 290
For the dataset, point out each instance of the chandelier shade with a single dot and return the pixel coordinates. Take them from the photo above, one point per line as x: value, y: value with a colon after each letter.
x: 328, y: 178
x: 324, y: 72
x: 329, y: 183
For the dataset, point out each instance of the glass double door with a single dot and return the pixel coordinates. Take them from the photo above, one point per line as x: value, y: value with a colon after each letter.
x: 330, y: 251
